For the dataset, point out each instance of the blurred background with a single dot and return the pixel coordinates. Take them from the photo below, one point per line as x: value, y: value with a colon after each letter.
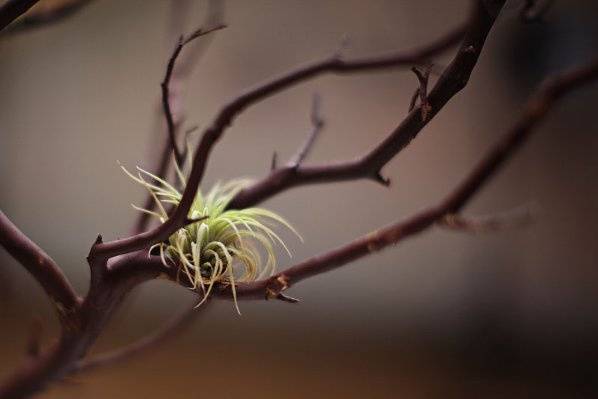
x: 445, y: 314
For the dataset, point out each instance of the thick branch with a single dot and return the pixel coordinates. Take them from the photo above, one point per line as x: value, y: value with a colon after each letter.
x: 40, y: 266
x: 81, y: 330
x: 13, y: 9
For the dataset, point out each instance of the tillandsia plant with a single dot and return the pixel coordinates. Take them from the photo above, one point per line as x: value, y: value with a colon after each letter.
x: 225, y: 246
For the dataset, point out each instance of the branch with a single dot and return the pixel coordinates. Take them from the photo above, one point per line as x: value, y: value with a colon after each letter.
x: 317, y: 125
x: 48, y: 15
x: 40, y: 266
x: 489, y: 223
x: 181, y: 71
x: 178, y: 324
x: 535, y: 111
x: 226, y: 116
x: 170, y: 123
x: 369, y: 166
x: 12, y: 9
x: 422, y: 91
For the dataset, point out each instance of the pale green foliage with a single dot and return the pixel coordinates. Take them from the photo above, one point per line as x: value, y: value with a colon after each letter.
x: 224, y: 248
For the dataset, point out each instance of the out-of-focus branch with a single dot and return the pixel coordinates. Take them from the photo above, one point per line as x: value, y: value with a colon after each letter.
x: 226, y: 116
x: 488, y: 223
x: 177, y: 325
x: 47, y: 15
x: 13, y: 9
x: 40, y: 266
x: 535, y: 111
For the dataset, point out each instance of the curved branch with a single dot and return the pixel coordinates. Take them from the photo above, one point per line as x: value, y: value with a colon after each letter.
x: 13, y: 9
x: 40, y: 266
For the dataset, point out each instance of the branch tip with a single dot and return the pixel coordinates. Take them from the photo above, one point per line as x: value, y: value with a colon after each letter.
x: 379, y: 178
x: 286, y: 298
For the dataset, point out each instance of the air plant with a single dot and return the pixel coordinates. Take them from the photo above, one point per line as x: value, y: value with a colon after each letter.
x: 226, y: 246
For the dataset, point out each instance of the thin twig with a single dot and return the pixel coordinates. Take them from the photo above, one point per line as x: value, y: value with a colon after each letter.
x: 317, y: 125
x: 182, y: 72
x: 170, y: 123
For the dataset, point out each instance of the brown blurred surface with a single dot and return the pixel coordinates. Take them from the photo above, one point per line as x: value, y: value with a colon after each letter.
x: 511, y: 314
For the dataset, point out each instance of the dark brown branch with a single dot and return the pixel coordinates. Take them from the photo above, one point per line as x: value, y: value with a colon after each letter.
x: 226, y: 116
x: 40, y: 266
x: 48, y: 16
x: 178, y: 324
x: 13, y: 9
x: 317, y: 125
x: 423, y: 76
x: 368, y: 166
x: 170, y: 123
x: 182, y: 71
x: 81, y: 330
x: 535, y: 111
